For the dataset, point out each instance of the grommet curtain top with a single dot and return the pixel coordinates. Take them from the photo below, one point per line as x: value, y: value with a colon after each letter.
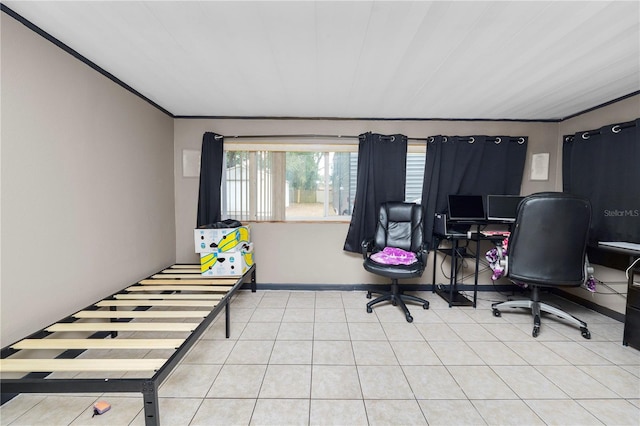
x: 610, y: 128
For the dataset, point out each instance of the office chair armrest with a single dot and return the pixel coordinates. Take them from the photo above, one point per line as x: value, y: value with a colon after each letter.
x: 367, y: 246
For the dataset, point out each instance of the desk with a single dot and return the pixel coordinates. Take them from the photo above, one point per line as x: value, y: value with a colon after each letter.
x: 453, y: 296
x: 631, y: 336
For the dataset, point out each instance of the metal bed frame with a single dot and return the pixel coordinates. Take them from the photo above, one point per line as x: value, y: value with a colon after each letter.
x: 175, y: 286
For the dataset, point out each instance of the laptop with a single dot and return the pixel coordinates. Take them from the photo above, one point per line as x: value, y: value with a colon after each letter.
x: 463, y: 208
x: 442, y: 227
x: 502, y: 208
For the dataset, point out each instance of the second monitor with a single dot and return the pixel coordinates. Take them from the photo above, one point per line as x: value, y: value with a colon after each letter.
x: 466, y: 208
x: 502, y: 208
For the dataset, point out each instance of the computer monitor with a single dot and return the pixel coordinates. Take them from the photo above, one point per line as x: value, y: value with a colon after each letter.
x: 466, y: 207
x: 502, y: 208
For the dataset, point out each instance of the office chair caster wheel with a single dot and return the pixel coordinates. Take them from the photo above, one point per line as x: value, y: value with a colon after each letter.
x: 585, y: 333
x: 368, y: 295
x: 536, y: 331
x: 369, y: 310
x: 409, y: 318
x: 425, y: 306
x: 496, y: 313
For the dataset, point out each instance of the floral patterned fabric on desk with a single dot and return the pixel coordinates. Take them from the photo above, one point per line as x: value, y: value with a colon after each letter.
x: 494, y: 256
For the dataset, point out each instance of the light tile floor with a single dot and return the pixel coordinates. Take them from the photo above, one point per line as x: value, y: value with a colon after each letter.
x: 318, y: 358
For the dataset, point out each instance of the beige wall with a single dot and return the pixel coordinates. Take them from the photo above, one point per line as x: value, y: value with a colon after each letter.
x: 311, y: 253
x: 87, y: 184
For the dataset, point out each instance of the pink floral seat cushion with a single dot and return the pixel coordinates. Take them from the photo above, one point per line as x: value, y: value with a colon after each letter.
x: 394, y: 256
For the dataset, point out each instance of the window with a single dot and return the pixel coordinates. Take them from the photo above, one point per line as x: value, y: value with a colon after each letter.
x: 415, y: 176
x: 286, y: 183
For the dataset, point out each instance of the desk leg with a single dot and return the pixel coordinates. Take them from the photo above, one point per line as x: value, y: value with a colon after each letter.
x: 475, y: 280
x: 433, y: 281
x: 453, y: 278
x: 227, y: 320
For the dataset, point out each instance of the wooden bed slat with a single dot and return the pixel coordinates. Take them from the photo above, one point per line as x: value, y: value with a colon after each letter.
x: 190, y: 281
x: 196, y: 269
x: 183, y: 296
x: 123, y: 326
x: 187, y: 296
x: 216, y: 289
x: 141, y: 314
x: 189, y: 276
x: 140, y: 302
x: 184, y: 265
x: 98, y: 344
x: 50, y: 365
x: 188, y: 273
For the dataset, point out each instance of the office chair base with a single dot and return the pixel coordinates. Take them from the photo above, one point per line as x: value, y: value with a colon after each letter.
x: 396, y: 297
x: 536, y: 309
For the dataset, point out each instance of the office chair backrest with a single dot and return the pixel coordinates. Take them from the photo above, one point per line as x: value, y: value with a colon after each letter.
x: 549, y: 240
x: 400, y: 226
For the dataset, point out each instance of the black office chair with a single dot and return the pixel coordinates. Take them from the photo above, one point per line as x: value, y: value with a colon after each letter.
x: 399, y: 226
x: 547, y: 248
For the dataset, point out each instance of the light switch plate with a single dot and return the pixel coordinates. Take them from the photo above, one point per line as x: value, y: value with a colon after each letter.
x: 190, y: 163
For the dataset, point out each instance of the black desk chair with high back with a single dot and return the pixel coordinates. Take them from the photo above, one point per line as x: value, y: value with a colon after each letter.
x: 399, y: 227
x: 547, y: 248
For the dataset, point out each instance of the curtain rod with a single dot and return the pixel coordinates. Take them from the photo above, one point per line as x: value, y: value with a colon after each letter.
x: 314, y: 136
x: 301, y: 136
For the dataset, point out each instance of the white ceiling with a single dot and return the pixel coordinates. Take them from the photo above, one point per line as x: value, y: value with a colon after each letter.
x: 362, y: 59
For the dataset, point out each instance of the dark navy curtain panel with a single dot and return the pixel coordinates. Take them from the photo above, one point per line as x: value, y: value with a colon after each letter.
x: 469, y: 165
x: 381, y: 177
x: 211, y: 158
x: 604, y: 166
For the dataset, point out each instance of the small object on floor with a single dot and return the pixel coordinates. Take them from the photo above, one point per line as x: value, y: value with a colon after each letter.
x: 101, y: 407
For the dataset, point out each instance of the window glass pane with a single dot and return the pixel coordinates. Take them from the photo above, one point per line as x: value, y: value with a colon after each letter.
x: 247, y: 186
x: 236, y: 188
x: 320, y: 184
x: 343, y: 182
x: 415, y: 177
x: 261, y: 206
x: 305, y: 185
